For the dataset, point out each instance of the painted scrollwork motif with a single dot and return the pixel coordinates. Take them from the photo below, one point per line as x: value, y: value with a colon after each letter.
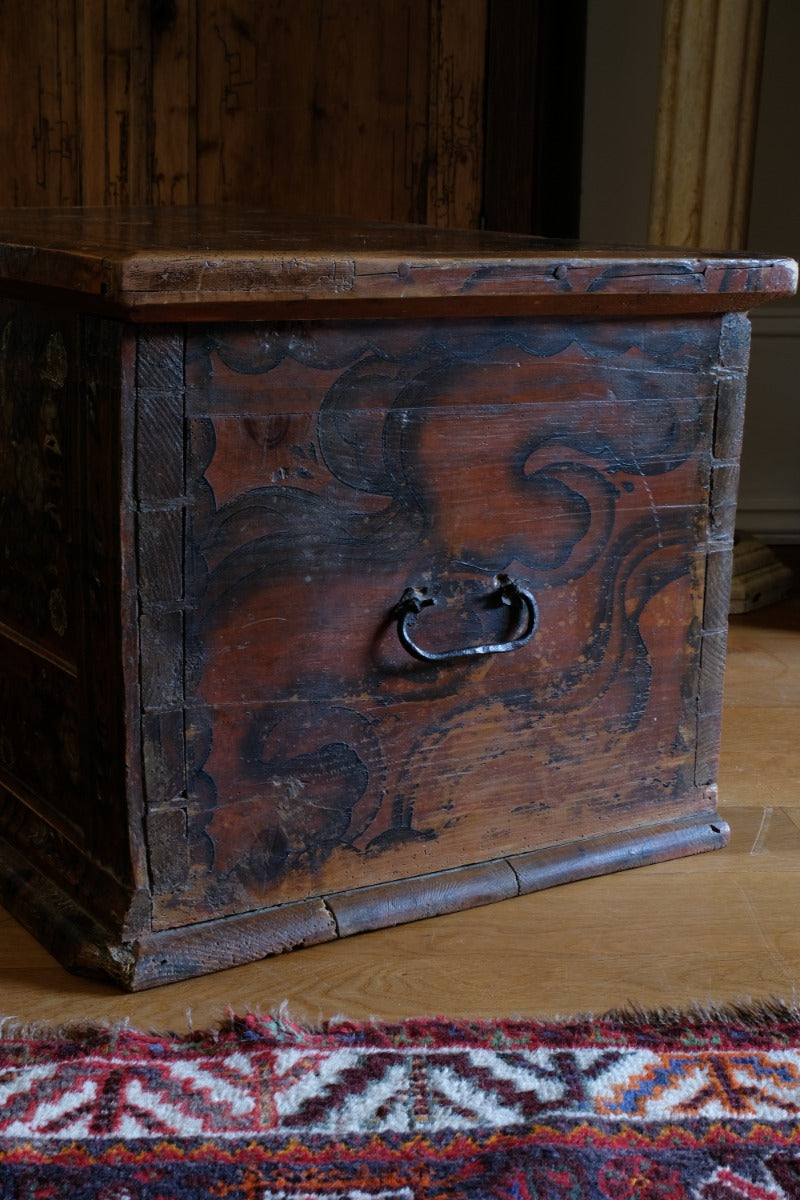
x: 444, y: 456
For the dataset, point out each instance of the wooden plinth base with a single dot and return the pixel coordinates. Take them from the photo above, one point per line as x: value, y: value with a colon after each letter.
x: 85, y: 947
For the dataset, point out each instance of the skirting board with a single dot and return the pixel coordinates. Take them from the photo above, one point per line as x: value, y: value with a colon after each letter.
x: 770, y: 523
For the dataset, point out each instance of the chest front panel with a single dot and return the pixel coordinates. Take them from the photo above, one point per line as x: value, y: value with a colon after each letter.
x: 292, y: 745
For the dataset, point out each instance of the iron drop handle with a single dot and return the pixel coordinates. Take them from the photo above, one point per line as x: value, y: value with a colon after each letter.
x: 507, y: 592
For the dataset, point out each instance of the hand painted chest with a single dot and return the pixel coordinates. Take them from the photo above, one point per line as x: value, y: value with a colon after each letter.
x: 351, y: 574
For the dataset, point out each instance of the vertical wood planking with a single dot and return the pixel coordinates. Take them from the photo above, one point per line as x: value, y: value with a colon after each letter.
x: 317, y: 106
x: 99, y: 103
x: 174, y: 104
x: 370, y: 108
x: 39, y: 133
x: 57, y: 140
x: 229, y: 150
x: 455, y: 119
x: 115, y: 101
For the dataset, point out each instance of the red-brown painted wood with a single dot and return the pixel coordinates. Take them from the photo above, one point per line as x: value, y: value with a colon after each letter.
x: 215, y: 742
x: 199, y: 264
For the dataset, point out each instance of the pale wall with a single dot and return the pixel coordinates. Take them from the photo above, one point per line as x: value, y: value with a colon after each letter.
x: 623, y: 51
x: 769, y: 494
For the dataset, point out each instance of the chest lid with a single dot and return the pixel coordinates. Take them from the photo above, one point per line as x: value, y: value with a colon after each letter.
x: 196, y: 264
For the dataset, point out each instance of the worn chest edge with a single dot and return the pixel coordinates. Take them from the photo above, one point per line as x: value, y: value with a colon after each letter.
x: 84, y: 947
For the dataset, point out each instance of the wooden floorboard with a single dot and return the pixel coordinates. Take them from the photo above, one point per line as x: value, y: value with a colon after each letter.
x: 712, y: 929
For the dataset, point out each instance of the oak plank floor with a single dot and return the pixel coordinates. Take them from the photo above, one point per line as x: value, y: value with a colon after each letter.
x: 716, y: 928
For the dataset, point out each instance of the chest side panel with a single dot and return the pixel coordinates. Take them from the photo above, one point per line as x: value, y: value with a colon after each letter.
x: 332, y: 467
x: 63, y: 798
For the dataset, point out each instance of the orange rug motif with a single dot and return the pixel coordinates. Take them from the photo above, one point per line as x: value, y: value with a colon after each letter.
x: 664, y: 1107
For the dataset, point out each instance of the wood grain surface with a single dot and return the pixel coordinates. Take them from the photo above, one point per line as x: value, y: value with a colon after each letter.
x: 440, y: 112
x: 226, y: 731
x: 714, y: 928
x: 199, y: 264
x: 280, y: 748
x: 358, y: 109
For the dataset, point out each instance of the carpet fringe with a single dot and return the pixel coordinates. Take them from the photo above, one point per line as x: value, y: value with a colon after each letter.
x: 751, y: 1014
x: 754, y: 1015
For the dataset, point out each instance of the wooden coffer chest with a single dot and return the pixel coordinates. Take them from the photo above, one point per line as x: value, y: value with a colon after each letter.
x: 351, y: 574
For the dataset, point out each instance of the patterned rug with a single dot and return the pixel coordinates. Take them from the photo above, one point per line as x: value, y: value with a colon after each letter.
x: 664, y: 1107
